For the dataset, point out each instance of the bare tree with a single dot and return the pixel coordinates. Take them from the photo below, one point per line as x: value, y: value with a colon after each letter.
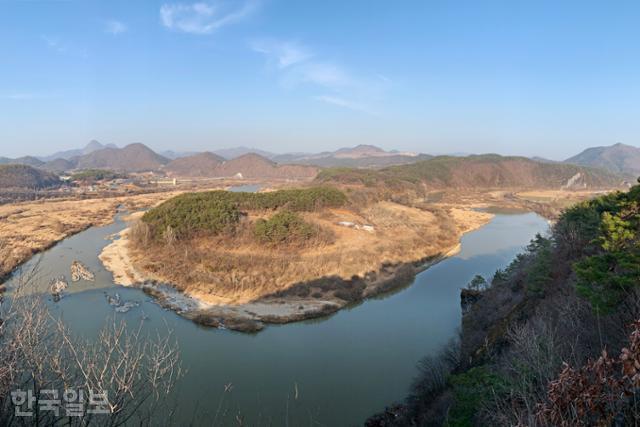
x: 122, y: 376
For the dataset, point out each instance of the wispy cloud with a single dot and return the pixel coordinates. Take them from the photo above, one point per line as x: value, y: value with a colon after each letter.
x: 62, y: 47
x: 297, y: 65
x: 284, y: 54
x: 204, y: 18
x: 344, y: 103
x: 115, y: 27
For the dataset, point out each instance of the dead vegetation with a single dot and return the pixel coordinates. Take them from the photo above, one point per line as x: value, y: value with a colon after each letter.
x: 124, y: 373
x: 31, y: 227
x: 236, y: 268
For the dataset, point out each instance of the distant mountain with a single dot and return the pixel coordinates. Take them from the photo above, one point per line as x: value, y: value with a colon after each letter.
x: 362, y: 150
x: 132, y: 158
x: 198, y: 165
x: 27, y: 160
x: 360, y: 156
x: 479, y: 171
x: 23, y: 176
x: 59, y: 165
x: 543, y: 159
x: 357, y: 162
x: 618, y: 158
x: 248, y: 166
x: 255, y: 166
x: 232, y: 153
x: 92, y: 146
x: 172, y: 155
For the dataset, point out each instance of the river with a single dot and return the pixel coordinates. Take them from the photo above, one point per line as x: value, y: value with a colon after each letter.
x: 342, y: 369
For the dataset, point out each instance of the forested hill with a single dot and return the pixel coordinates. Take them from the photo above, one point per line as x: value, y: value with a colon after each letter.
x: 483, y: 171
x: 533, y: 341
x: 23, y: 176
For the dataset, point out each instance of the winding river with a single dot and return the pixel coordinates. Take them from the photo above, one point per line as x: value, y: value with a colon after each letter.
x: 334, y: 371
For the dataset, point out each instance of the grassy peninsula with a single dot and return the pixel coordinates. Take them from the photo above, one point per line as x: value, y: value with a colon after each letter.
x: 280, y: 256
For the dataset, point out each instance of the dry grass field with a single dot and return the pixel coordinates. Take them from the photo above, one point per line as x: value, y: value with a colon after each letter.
x: 236, y: 270
x: 31, y: 227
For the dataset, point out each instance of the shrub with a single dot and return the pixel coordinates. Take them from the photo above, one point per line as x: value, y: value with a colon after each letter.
x: 283, y: 227
x: 471, y: 389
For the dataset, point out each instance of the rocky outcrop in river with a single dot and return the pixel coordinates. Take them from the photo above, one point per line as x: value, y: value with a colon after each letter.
x: 57, y: 286
x: 80, y: 272
x: 119, y: 305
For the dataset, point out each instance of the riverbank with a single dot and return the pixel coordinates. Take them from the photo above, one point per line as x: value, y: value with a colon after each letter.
x: 293, y: 286
x: 28, y: 228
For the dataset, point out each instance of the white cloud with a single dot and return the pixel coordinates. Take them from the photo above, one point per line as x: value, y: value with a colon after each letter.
x: 299, y: 67
x: 341, y: 102
x: 283, y: 53
x: 325, y: 74
x: 298, y: 64
x: 115, y: 27
x: 204, y: 18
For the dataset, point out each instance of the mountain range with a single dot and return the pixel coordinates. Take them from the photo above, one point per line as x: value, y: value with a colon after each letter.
x: 477, y: 172
x: 249, y: 163
x: 92, y: 146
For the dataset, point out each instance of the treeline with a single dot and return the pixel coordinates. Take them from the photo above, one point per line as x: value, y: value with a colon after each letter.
x: 95, y: 175
x: 213, y: 212
x: 553, y: 339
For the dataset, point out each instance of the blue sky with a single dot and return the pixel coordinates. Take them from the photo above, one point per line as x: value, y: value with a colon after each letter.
x: 542, y: 78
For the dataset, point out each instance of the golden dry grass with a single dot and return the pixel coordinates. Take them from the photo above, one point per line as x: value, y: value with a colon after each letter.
x: 30, y: 227
x: 236, y: 270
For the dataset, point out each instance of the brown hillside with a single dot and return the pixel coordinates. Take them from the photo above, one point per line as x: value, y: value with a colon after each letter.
x: 23, y: 176
x: 132, y: 158
x: 198, y: 165
x: 618, y: 158
x: 486, y: 171
x: 253, y: 166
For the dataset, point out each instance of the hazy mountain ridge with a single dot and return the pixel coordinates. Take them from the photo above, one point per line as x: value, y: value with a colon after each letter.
x: 251, y: 163
x: 360, y: 156
x: 25, y: 160
x: 92, y: 146
x: 132, y: 158
x: 618, y: 158
x: 479, y: 171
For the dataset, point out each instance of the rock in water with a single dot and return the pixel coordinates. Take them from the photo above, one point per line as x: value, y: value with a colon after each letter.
x: 126, y: 307
x: 57, y: 286
x: 80, y: 271
x: 119, y: 305
x: 114, y: 300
